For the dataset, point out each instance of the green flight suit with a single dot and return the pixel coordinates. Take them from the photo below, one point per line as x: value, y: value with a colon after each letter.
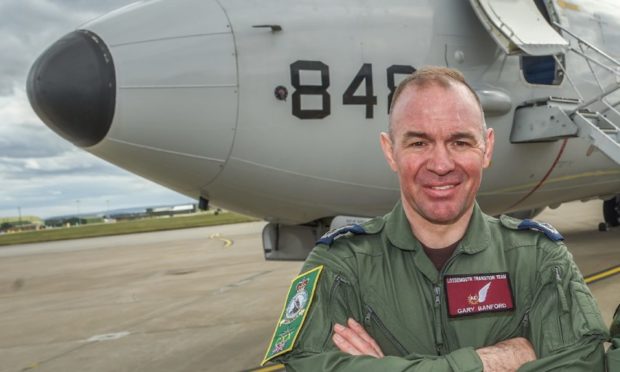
x: 613, y: 354
x: 385, y: 281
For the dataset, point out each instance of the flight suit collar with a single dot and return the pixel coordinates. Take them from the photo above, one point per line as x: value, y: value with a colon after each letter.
x: 478, y: 235
x: 398, y: 229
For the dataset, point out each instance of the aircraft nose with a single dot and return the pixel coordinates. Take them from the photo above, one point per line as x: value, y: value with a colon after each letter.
x: 72, y: 88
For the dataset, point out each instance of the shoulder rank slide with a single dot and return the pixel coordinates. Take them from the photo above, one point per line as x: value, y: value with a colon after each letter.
x: 293, y: 314
x: 330, y: 236
x: 543, y: 227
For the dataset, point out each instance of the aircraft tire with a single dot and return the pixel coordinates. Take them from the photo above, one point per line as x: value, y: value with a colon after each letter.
x: 610, y: 211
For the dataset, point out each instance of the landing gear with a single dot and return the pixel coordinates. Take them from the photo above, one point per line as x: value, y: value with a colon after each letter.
x: 611, y: 213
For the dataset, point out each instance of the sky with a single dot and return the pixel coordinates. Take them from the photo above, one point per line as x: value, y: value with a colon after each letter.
x: 41, y: 174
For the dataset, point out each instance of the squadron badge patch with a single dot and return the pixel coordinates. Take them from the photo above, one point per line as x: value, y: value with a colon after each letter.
x: 296, y: 307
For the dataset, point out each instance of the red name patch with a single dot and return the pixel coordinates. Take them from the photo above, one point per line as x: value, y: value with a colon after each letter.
x: 478, y: 293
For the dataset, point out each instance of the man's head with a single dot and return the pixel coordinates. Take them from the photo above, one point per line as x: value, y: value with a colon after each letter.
x: 438, y: 144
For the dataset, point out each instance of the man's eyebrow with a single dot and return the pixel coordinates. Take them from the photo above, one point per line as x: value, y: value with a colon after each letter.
x: 412, y: 134
x: 454, y: 136
x: 463, y: 135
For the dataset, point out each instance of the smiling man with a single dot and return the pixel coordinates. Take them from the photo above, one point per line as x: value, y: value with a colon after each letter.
x: 437, y: 285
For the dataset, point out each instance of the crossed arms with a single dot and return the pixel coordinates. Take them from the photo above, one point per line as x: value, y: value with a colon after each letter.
x: 504, y: 356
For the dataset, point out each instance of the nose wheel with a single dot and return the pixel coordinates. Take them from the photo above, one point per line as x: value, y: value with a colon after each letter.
x: 611, y: 214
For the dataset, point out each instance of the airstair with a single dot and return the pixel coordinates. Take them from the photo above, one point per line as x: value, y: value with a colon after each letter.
x: 598, y: 119
x: 517, y: 27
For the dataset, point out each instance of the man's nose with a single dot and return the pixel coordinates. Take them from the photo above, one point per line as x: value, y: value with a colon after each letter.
x: 440, y: 160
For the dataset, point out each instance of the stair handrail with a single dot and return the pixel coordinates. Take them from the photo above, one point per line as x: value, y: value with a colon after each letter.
x: 589, y: 60
x: 607, y: 56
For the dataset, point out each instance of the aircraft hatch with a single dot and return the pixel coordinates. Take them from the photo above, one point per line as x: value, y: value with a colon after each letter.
x: 518, y: 27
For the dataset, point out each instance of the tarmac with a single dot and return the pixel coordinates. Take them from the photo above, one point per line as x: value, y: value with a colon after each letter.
x: 200, y: 299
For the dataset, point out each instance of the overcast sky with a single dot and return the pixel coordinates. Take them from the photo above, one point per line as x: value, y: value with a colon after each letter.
x: 40, y: 172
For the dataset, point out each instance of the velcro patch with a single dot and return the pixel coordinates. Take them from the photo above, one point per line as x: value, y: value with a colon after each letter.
x: 293, y: 314
x: 478, y: 293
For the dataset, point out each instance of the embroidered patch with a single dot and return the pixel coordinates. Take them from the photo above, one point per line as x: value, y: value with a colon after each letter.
x: 293, y: 314
x: 478, y: 293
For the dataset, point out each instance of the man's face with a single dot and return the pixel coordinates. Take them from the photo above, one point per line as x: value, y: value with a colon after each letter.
x: 438, y: 150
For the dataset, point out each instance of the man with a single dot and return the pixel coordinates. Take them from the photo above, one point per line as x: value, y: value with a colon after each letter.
x: 436, y: 285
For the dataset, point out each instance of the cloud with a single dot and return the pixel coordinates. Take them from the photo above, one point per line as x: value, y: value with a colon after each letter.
x: 41, y: 173
x: 22, y: 135
x: 28, y: 27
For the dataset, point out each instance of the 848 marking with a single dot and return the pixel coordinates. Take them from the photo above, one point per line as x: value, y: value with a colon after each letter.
x: 364, y: 75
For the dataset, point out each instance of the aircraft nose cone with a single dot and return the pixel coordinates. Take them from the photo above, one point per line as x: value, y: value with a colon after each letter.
x: 72, y: 88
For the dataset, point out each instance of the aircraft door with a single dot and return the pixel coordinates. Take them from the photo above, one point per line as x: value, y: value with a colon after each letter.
x: 524, y: 27
x: 518, y: 27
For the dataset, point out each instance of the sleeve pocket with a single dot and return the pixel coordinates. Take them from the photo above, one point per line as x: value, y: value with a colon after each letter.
x: 586, y: 316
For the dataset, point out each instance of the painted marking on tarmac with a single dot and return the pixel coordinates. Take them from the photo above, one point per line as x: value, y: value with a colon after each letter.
x: 108, y: 337
x: 218, y: 236
x: 602, y: 274
x: 273, y: 368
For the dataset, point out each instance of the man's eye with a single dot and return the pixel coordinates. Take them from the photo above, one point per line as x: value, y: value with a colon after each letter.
x: 461, y: 144
x: 417, y: 144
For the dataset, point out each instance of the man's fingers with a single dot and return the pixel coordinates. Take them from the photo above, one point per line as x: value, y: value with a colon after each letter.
x: 355, y: 341
x: 344, y: 346
x: 355, y: 326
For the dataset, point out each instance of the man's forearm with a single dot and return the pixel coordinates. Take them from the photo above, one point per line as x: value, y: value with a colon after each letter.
x: 504, y: 356
x: 507, y: 355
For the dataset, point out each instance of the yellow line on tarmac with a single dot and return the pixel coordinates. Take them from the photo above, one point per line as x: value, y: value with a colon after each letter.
x: 602, y: 274
x: 276, y: 367
x: 227, y: 242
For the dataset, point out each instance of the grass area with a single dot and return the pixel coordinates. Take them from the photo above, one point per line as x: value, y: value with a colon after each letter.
x: 124, y: 227
x: 24, y: 218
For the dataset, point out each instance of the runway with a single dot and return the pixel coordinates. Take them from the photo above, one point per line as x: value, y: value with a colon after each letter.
x: 187, y: 300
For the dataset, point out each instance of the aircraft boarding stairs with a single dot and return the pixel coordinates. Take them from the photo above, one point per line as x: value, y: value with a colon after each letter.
x: 532, y: 28
x: 594, y: 118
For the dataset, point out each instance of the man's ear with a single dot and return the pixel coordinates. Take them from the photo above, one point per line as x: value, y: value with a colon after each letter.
x: 488, y: 151
x: 388, y: 150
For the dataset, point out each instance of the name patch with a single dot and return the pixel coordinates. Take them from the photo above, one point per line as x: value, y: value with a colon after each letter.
x: 478, y: 293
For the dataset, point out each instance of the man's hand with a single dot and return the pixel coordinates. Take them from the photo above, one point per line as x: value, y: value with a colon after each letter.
x: 353, y: 339
x: 506, y: 356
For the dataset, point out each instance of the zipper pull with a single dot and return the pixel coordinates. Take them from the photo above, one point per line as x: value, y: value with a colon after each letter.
x: 561, y: 294
x: 437, y: 295
x: 525, y: 324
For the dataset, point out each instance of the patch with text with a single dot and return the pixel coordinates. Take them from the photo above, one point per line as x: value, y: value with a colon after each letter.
x: 478, y: 293
x: 293, y: 314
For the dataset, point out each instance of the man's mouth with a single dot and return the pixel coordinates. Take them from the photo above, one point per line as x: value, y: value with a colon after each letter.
x: 444, y: 187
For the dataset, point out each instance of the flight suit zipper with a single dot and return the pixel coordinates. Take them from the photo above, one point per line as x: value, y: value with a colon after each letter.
x: 437, y: 307
x: 562, y: 300
x: 439, y: 340
x: 371, y: 316
x: 338, y: 280
x: 561, y: 294
x: 525, y: 324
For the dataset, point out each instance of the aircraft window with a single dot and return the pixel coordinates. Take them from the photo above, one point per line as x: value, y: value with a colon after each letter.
x: 540, y: 70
